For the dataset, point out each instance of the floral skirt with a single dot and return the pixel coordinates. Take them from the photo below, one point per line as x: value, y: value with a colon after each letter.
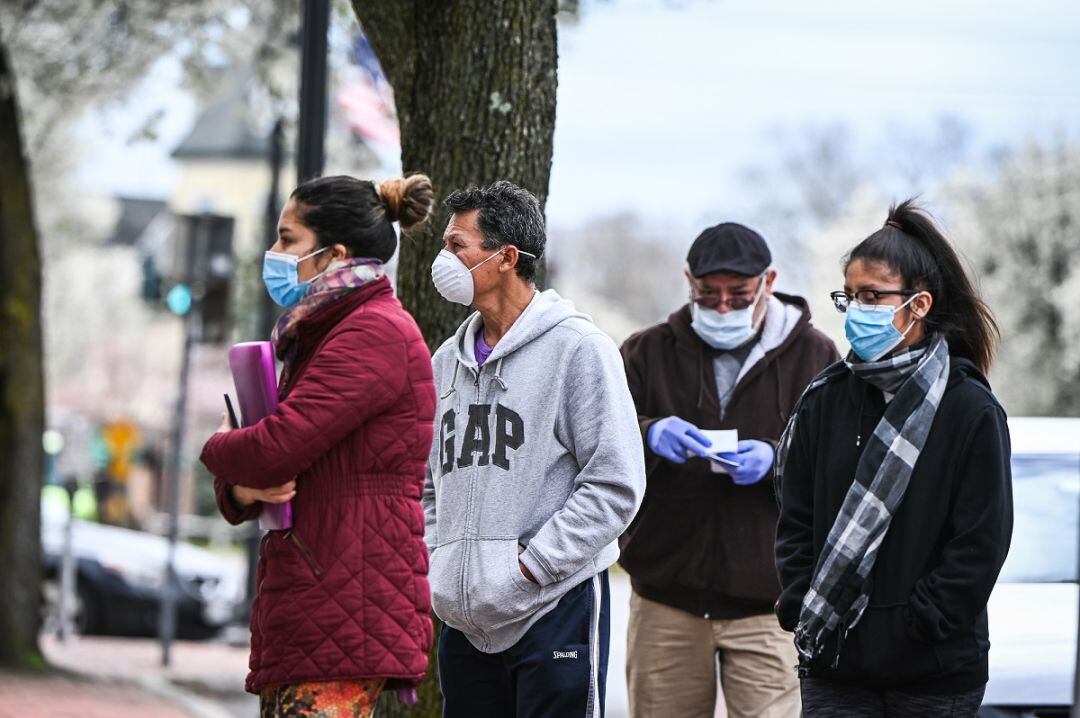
x: 331, y: 699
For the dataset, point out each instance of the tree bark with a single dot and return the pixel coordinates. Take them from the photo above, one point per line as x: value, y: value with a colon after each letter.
x: 22, y: 395
x: 474, y: 83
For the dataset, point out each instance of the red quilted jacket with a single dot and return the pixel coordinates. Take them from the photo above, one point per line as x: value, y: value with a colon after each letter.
x: 344, y: 594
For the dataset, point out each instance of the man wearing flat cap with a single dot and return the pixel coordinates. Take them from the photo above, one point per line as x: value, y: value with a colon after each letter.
x: 700, y: 551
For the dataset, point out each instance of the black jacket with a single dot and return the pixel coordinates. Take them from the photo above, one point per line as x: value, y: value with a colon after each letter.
x: 699, y: 542
x: 925, y: 630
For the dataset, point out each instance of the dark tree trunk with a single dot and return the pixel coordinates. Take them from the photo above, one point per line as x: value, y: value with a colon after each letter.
x: 474, y: 83
x: 22, y: 396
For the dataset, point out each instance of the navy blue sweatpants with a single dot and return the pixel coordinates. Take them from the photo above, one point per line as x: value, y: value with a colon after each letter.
x: 557, y: 670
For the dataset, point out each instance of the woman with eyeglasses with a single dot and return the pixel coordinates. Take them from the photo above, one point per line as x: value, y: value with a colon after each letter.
x: 895, y: 488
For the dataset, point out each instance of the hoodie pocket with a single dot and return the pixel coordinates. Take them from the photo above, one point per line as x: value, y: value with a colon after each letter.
x: 956, y: 651
x: 881, y: 647
x: 498, y: 593
x: 444, y: 577
x: 672, y: 543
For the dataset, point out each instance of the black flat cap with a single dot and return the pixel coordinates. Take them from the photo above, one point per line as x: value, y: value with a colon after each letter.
x: 729, y: 247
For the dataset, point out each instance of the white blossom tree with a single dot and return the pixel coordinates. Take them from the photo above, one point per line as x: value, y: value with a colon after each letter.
x: 1020, y: 226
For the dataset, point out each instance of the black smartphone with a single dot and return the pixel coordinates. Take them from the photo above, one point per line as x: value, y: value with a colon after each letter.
x: 232, y: 413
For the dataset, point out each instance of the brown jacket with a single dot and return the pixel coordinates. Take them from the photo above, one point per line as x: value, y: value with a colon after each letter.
x: 701, y: 543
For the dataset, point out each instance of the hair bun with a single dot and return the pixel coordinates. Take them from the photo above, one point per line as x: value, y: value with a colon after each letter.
x: 408, y: 200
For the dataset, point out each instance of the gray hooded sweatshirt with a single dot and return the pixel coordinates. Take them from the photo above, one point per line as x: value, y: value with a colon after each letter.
x: 540, y: 449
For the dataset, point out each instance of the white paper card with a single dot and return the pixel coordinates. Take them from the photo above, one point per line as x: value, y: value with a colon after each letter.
x: 724, y: 441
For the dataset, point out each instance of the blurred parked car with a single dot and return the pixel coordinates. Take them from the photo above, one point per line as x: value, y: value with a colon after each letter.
x: 120, y: 574
x: 1034, y: 607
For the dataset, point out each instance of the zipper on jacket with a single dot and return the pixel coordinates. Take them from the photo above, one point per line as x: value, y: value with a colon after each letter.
x: 258, y: 618
x: 291, y: 535
x: 258, y: 590
x: 466, y: 610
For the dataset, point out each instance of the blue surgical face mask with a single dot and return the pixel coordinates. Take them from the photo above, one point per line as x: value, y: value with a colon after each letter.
x: 280, y: 277
x: 725, y: 330
x: 870, y: 329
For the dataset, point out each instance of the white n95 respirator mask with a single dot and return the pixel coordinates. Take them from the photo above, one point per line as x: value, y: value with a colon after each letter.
x: 454, y: 281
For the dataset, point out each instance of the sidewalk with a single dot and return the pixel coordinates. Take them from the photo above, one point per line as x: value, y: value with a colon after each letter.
x: 53, y: 695
x: 124, y: 676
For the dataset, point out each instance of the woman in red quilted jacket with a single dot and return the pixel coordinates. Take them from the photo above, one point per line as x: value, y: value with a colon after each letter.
x: 342, y: 605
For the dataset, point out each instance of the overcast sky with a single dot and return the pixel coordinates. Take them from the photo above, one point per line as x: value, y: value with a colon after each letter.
x: 662, y: 105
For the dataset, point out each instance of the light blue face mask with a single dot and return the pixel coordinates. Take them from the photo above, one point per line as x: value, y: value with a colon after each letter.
x: 870, y: 329
x: 280, y: 277
x: 725, y: 330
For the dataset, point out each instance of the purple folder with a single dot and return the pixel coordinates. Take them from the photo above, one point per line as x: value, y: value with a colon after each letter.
x: 252, y: 365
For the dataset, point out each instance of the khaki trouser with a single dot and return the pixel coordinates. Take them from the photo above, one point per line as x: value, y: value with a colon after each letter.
x: 671, y: 665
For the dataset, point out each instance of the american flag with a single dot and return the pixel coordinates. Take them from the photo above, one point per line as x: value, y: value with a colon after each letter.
x: 366, y: 98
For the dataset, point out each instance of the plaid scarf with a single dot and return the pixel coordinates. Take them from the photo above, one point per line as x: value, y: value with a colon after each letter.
x: 840, y: 589
x: 339, y: 279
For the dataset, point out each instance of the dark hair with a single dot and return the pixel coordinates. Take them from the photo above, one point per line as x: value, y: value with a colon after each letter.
x: 358, y: 213
x: 507, y: 214
x: 911, y: 244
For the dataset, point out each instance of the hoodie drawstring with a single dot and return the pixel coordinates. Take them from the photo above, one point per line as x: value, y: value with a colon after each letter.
x: 779, y: 392
x: 450, y: 392
x: 453, y: 381
x: 701, y: 378
x: 498, y: 375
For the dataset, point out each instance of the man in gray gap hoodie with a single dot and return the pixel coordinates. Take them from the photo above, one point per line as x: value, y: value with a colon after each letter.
x: 536, y: 469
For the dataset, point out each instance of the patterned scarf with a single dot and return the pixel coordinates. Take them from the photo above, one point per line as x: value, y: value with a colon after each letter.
x: 339, y: 279
x: 840, y: 589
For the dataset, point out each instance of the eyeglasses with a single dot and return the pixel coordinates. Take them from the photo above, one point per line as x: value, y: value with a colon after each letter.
x: 710, y: 301
x: 867, y: 297
x: 714, y: 300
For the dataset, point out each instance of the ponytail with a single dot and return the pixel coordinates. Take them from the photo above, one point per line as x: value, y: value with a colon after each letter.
x: 914, y: 247
x: 408, y: 200
x: 358, y: 213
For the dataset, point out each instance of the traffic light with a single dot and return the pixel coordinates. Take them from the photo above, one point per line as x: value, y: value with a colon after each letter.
x: 204, y: 260
x: 151, y: 279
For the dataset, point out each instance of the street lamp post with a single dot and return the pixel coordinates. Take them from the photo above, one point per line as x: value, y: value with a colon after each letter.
x: 312, y: 126
x: 267, y: 308
x: 167, y: 621
x: 183, y: 300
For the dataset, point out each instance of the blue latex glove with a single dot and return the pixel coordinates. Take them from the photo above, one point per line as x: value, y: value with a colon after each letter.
x: 754, y: 459
x: 676, y: 439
